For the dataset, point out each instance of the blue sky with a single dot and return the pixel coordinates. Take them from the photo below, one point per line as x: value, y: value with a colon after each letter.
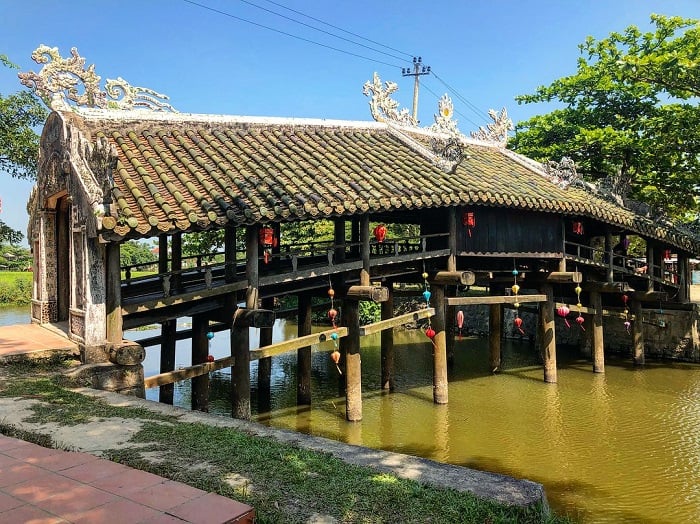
x: 489, y: 51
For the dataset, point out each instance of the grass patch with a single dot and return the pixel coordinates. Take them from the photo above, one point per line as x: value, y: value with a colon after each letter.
x: 284, y: 483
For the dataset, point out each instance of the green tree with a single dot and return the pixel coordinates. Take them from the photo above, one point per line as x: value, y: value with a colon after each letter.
x: 629, y: 112
x: 20, y: 114
x: 132, y: 252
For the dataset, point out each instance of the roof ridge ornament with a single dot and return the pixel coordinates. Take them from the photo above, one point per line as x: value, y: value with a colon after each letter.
x: 443, y: 118
x: 382, y: 106
x: 496, y: 132
x: 57, y: 85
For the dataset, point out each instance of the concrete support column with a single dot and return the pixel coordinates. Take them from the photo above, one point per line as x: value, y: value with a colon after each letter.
x: 597, y: 328
x: 547, y: 335
x: 440, y: 385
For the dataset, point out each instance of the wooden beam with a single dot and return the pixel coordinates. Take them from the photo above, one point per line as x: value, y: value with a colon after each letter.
x: 507, y: 299
x: 149, y: 305
x: 650, y: 296
x: 376, y: 327
x: 585, y: 310
x: 257, y: 318
x: 598, y: 350
x: 189, y: 372
x: 463, y: 278
x: 547, y: 335
x: 296, y: 343
x: 440, y: 384
x: 561, y: 276
x: 606, y: 287
x: 374, y: 293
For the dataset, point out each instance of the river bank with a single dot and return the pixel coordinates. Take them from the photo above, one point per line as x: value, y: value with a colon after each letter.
x: 287, y: 477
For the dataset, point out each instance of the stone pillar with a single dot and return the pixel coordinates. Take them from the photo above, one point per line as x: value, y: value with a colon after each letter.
x: 597, y: 328
x: 304, y: 354
x: 114, y: 294
x: 547, y: 335
x: 388, y: 344
x: 440, y: 385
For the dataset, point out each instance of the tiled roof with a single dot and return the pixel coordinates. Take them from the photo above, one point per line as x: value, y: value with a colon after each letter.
x: 189, y: 172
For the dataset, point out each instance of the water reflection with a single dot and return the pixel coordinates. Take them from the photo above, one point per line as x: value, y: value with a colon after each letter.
x: 618, y: 446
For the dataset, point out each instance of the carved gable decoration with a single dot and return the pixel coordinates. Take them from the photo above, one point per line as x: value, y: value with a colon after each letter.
x: 382, y: 106
x: 496, y: 132
x: 58, y: 84
x: 443, y: 119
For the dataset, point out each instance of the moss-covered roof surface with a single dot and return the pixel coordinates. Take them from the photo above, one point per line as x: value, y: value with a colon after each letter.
x: 191, y: 172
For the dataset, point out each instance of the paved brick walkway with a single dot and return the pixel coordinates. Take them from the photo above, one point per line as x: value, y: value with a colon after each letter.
x: 47, y: 486
x: 33, y: 340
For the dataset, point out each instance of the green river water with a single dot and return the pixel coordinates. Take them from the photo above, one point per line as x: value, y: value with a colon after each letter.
x: 623, y: 446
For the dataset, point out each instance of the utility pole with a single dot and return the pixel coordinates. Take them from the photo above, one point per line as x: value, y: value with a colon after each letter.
x: 418, y: 70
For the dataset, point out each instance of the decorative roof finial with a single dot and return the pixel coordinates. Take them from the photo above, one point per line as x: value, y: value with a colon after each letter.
x: 443, y: 118
x: 498, y: 131
x: 57, y: 84
x: 382, y: 106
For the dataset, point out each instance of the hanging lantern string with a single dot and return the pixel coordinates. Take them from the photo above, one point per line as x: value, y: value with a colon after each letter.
x: 515, y: 288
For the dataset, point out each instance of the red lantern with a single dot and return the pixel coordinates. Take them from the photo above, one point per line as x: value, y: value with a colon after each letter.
x: 518, y: 322
x: 580, y: 320
x: 562, y: 311
x: 460, y: 322
x: 667, y: 254
x: 578, y: 228
x: 210, y: 358
x: 430, y: 333
x: 268, y: 240
x: 469, y: 221
x: 380, y: 232
x: 332, y: 314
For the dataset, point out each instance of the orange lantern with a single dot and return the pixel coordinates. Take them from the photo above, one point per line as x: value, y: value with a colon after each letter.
x: 380, y: 232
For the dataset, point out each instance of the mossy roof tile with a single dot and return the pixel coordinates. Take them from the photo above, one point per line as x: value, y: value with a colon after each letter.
x: 192, y: 172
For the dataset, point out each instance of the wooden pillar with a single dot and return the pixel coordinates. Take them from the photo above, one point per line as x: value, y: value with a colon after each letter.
x: 168, y: 331
x: 651, y: 265
x: 609, y: 253
x: 113, y: 301
x: 495, y: 336
x: 265, y: 363
x: 450, y: 323
x: 364, y: 250
x: 240, y: 339
x: 162, y: 253
x: 547, y: 335
x: 598, y: 351
x: 452, y: 226
x: 304, y: 354
x: 350, y: 353
x: 637, y: 332
x: 440, y: 391
x: 339, y: 240
x: 176, y: 262
x: 683, y: 270
x: 388, y: 344
x: 230, y: 253
x: 200, y: 352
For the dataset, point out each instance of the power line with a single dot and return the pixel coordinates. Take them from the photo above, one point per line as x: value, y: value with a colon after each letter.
x: 224, y: 13
x: 437, y: 97
x: 321, y: 30
x: 471, y: 106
